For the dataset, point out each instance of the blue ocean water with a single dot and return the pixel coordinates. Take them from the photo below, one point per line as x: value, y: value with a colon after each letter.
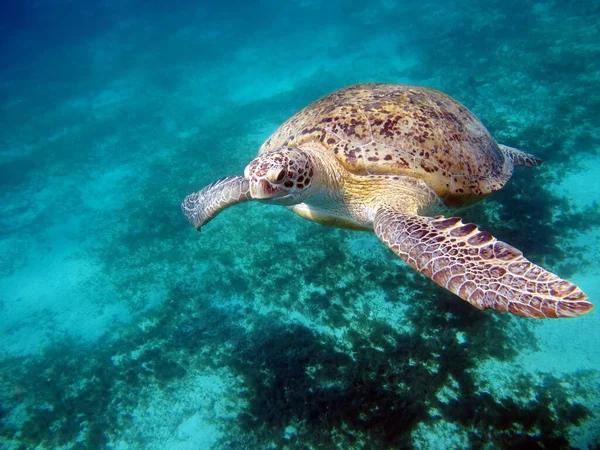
x: 121, y: 327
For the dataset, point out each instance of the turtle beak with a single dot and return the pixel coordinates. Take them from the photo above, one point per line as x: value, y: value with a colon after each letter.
x: 264, y: 180
x: 261, y: 189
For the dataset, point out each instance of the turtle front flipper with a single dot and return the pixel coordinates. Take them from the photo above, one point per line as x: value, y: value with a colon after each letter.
x: 478, y: 268
x: 200, y: 207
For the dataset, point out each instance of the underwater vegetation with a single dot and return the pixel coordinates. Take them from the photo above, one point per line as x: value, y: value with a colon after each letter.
x: 270, y: 331
x: 352, y: 379
x: 373, y: 389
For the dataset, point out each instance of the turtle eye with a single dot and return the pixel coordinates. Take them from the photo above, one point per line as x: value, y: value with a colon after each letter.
x: 275, y: 176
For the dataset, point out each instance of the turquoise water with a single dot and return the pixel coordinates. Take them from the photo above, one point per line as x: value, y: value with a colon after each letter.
x: 121, y: 327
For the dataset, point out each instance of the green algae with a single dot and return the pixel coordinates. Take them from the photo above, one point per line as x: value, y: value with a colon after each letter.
x: 232, y: 295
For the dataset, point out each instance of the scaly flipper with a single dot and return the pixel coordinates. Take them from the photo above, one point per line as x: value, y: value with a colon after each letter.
x: 478, y: 268
x: 200, y: 207
x: 519, y: 157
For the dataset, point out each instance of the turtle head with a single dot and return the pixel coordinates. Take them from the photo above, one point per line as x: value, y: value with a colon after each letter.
x: 283, y: 176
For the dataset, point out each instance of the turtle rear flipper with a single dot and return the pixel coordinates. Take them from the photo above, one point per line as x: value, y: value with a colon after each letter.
x: 519, y: 157
x: 478, y: 268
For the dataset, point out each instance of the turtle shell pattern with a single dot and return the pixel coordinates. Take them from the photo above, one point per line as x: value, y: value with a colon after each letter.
x: 391, y: 129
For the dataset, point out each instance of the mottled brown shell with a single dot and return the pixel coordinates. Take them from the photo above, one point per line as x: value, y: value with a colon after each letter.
x: 403, y: 130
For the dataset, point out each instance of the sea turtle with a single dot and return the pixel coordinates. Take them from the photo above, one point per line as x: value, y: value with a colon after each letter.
x: 397, y: 160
